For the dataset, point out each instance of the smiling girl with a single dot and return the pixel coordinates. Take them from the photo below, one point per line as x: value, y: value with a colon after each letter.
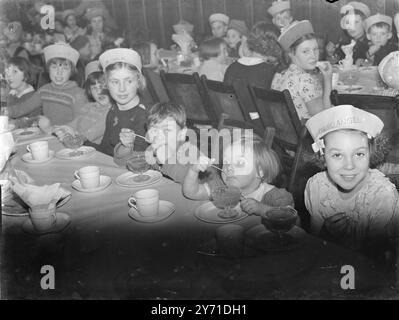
x: 350, y: 203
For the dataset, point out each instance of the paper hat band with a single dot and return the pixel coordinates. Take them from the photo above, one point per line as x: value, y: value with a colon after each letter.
x: 356, y: 6
x: 219, y: 17
x: 342, y: 117
x: 376, y: 19
x: 93, y: 66
x: 120, y: 55
x: 294, y: 32
x: 61, y: 50
x: 279, y: 6
x: 183, y: 26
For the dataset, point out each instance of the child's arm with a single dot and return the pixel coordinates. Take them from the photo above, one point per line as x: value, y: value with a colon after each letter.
x: 26, y: 107
x: 252, y: 206
x: 191, y: 187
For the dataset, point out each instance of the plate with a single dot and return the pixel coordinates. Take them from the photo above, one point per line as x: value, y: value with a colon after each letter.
x: 166, y: 208
x: 17, y: 208
x: 69, y: 154
x: 207, y: 212
x: 27, y: 157
x: 105, y: 181
x: 27, y: 132
x: 63, y: 220
x: 129, y: 179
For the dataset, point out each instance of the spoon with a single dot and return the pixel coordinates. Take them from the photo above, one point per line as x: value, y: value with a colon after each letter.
x: 221, y: 170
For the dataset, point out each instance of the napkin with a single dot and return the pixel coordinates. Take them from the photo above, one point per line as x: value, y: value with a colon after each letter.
x: 184, y: 42
x: 34, y: 195
x: 6, y: 147
x: 348, y: 49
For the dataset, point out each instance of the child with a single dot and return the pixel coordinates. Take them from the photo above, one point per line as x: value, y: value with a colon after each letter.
x: 91, y: 123
x: 122, y: 68
x: 14, y: 33
x: 219, y: 23
x: 236, y: 35
x: 82, y: 45
x: 185, y: 28
x: 354, y: 14
x: 167, y: 130
x: 349, y: 203
x: 251, y: 166
x: 96, y: 35
x: 214, y: 54
x: 71, y: 29
x: 18, y: 76
x: 281, y: 13
x: 62, y: 99
x: 262, y: 53
x: 379, y: 32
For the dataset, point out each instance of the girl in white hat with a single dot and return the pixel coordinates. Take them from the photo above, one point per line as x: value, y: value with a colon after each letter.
x: 350, y: 203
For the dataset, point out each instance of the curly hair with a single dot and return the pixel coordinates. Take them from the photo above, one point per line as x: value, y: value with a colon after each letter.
x: 264, y: 43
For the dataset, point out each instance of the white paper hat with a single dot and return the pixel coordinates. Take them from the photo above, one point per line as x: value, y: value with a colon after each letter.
x: 279, y: 6
x: 61, y: 50
x: 376, y: 19
x: 342, y: 117
x: 357, y: 6
x: 93, y: 66
x: 294, y: 32
x: 219, y: 17
x: 183, y: 26
x: 120, y: 55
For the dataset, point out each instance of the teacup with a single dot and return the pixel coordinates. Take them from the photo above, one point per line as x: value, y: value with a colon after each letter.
x: 39, y: 150
x: 230, y: 239
x: 346, y: 64
x: 89, y: 177
x: 3, y: 124
x: 43, y: 217
x: 146, y: 202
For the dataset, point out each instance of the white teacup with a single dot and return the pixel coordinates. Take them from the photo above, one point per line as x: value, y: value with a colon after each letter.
x: 43, y: 217
x: 146, y: 202
x: 39, y: 150
x: 89, y: 177
x: 3, y: 124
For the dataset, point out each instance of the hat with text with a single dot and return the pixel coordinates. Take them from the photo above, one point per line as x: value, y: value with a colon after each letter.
x: 294, y: 32
x: 377, y: 18
x: 219, y: 17
x: 120, y: 55
x: 61, y: 50
x: 342, y: 117
x: 279, y: 6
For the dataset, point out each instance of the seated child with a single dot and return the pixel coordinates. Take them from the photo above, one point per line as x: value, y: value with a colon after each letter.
x: 281, y: 13
x: 236, y: 34
x: 127, y: 116
x: 262, y: 55
x: 350, y: 203
x: 214, y: 54
x: 185, y: 28
x: 91, y: 122
x: 354, y: 14
x: 18, y: 76
x: 62, y: 99
x: 71, y: 29
x: 14, y: 35
x: 166, y: 123
x: 251, y: 166
x: 219, y: 23
x: 379, y: 32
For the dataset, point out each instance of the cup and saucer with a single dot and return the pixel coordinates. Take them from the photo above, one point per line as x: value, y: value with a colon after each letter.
x: 146, y: 207
x: 89, y: 180
x: 62, y: 222
x: 38, y: 152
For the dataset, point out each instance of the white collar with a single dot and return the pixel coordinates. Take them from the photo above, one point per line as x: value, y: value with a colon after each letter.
x: 251, y: 61
x: 19, y: 95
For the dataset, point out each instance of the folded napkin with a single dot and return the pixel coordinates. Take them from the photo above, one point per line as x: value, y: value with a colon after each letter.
x: 34, y: 195
x: 184, y: 42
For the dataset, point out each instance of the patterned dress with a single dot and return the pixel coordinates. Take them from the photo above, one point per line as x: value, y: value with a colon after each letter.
x: 303, y: 87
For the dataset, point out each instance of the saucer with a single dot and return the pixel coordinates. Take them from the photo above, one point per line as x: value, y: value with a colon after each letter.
x: 27, y: 132
x: 69, y: 154
x: 27, y: 157
x: 166, y: 208
x: 128, y: 179
x: 63, y: 220
x: 207, y: 212
x: 105, y: 181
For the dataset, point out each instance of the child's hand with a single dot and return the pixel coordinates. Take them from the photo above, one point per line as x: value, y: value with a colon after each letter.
x: 325, y: 68
x: 202, y: 164
x: 373, y: 49
x: 127, y: 136
x: 251, y: 206
x: 44, y: 124
x: 337, y: 224
x: 62, y: 131
x: 330, y: 48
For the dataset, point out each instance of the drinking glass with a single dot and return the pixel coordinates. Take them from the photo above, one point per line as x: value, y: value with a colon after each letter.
x: 226, y: 198
x: 279, y: 221
x: 137, y: 163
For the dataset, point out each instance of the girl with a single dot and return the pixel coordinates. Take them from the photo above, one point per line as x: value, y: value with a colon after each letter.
x: 350, y: 203
x: 214, y: 54
x: 71, y: 29
x: 91, y: 123
x: 127, y: 115
x: 62, y: 99
x: 236, y: 35
x: 310, y: 88
x: 18, y: 75
x: 250, y: 165
x: 96, y: 35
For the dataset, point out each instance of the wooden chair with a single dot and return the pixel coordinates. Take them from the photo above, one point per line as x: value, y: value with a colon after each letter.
x: 187, y: 91
x: 155, y: 90
x: 277, y: 110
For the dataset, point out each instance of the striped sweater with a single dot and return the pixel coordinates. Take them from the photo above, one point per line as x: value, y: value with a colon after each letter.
x: 60, y: 104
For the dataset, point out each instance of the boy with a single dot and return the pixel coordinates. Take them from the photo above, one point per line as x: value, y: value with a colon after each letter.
x: 166, y: 123
x: 236, y: 34
x: 281, y: 13
x: 354, y: 14
x: 379, y: 32
x: 214, y: 54
x: 219, y: 23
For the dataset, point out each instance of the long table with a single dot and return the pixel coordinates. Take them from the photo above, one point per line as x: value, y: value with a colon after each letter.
x: 106, y: 254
